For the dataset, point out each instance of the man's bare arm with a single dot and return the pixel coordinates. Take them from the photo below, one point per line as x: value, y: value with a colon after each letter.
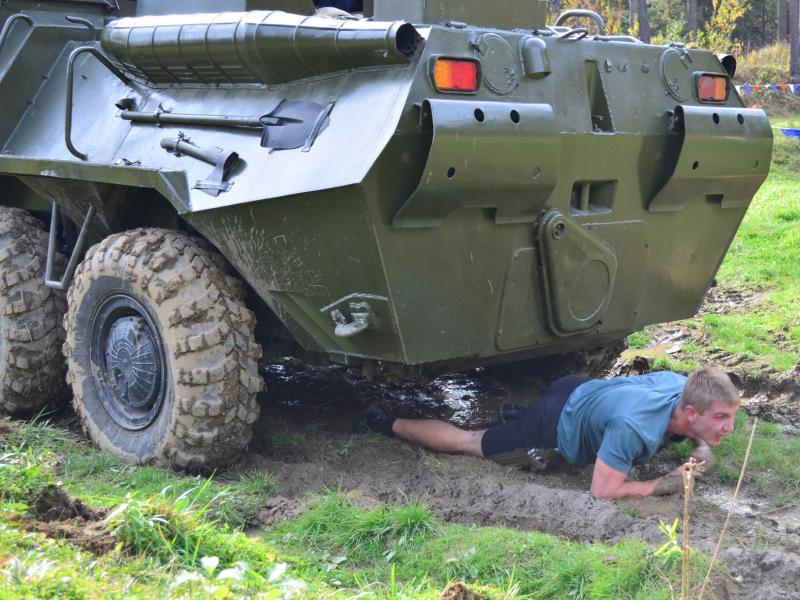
x: 611, y: 484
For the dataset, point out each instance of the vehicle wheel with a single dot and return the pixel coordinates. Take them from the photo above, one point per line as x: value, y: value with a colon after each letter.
x: 31, y: 364
x: 160, y: 351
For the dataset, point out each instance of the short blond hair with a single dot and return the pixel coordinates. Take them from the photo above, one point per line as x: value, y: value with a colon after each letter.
x: 706, y: 386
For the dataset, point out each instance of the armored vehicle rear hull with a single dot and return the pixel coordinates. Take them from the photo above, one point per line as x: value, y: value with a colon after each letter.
x: 407, y: 197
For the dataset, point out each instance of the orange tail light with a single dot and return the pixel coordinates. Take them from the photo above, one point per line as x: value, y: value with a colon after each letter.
x: 456, y: 75
x: 712, y: 88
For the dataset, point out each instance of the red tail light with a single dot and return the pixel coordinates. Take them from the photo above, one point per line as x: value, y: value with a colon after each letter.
x: 456, y: 75
x: 712, y: 88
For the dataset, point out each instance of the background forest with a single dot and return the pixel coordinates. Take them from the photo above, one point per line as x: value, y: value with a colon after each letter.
x: 765, y: 30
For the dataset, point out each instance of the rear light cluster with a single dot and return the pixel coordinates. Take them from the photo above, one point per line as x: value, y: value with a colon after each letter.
x: 456, y: 75
x: 712, y: 88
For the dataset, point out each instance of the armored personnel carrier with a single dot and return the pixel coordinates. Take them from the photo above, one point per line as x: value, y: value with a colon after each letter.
x: 411, y: 186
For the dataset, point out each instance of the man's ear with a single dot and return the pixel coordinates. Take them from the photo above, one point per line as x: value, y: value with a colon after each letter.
x: 690, y: 412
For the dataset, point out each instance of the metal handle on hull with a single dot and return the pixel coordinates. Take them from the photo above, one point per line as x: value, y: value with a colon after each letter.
x: 70, y: 90
x: 580, y: 13
x: 10, y: 24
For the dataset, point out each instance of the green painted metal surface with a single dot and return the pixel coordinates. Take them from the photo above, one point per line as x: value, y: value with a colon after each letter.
x: 581, y: 192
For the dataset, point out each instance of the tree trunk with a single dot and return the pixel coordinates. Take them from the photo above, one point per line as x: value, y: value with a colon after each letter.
x: 693, y: 20
x: 557, y: 4
x: 794, y: 40
x: 644, y: 22
x: 783, y: 20
x: 633, y: 5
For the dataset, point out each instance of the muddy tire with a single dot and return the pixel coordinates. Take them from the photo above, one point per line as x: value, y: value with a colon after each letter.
x: 160, y: 351
x: 31, y: 363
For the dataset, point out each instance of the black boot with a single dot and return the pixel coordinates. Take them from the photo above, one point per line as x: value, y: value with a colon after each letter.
x: 378, y: 419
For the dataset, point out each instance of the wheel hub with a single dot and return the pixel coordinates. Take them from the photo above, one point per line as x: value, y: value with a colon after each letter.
x: 131, y: 361
x: 128, y: 361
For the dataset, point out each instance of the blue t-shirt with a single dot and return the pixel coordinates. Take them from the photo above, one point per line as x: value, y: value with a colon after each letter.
x: 622, y: 421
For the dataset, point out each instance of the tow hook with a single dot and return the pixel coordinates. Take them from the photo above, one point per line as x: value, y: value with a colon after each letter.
x: 363, y: 318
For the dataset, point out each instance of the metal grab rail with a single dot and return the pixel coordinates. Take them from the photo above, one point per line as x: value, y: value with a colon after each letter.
x: 63, y: 283
x: 86, y: 23
x: 9, y: 24
x: 579, y: 13
x: 69, y: 93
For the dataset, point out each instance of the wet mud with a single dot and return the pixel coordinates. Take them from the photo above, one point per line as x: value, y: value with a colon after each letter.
x: 305, y: 439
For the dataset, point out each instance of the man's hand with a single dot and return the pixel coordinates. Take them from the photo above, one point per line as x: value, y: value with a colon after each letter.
x: 704, y: 455
x: 669, y: 484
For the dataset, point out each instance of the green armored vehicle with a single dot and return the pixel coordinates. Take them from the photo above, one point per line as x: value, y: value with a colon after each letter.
x: 413, y: 187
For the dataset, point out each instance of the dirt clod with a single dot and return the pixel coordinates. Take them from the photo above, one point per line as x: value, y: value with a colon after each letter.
x: 90, y: 536
x: 458, y: 591
x: 278, y: 509
x: 54, y: 504
x: 62, y: 517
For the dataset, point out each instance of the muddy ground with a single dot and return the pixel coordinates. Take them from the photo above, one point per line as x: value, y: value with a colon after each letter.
x: 304, y: 438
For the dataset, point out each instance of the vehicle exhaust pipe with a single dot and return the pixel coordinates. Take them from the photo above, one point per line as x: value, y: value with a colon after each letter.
x: 267, y: 47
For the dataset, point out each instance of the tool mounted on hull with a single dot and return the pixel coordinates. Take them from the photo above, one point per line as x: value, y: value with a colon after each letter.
x: 293, y: 123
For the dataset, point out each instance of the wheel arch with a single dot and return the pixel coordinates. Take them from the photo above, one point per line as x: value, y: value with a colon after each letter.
x: 118, y: 208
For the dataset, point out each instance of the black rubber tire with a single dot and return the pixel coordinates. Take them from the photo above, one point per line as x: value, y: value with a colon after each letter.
x: 209, y: 352
x: 31, y: 333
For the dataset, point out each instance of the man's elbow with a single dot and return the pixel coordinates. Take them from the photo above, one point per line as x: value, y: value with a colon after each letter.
x: 604, y: 493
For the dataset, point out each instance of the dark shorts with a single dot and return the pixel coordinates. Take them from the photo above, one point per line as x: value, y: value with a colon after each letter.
x: 537, y: 425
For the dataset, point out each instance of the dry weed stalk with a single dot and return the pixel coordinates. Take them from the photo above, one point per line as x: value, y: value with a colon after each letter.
x: 730, y: 509
x: 689, y: 470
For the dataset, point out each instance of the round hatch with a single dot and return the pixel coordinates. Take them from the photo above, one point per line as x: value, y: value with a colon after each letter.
x: 498, y: 63
x: 676, y: 73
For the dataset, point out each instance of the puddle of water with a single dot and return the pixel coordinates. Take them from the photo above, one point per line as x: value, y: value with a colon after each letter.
x: 722, y: 500
x: 338, y: 395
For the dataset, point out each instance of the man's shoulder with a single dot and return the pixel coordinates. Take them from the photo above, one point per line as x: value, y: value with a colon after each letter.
x: 651, y: 379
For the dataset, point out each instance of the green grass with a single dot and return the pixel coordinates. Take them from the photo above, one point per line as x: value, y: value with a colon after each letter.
x: 763, y: 260
x: 773, y: 467
x: 676, y: 365
x: 639, y: 339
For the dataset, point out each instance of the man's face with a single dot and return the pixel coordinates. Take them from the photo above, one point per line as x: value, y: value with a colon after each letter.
x: 714, y: 424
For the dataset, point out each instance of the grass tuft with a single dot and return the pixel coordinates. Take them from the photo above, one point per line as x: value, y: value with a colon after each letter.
x: 178, y: 529
x: 24, y: 474
x: 639, y: 339
x: 367, y: 536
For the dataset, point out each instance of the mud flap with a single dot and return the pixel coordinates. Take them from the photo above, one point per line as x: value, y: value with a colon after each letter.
x: 485, y: 155
x: 724, y: 157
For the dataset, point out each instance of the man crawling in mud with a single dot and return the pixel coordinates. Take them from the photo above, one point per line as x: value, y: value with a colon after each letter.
x: 614, y: 423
